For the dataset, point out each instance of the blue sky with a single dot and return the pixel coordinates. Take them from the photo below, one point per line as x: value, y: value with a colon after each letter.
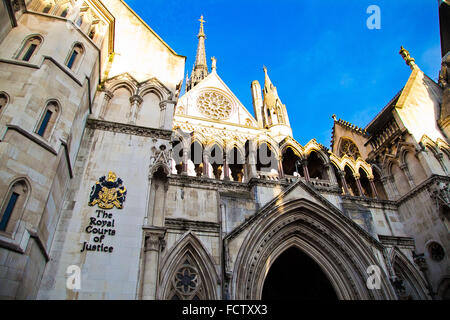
x: 320, y: 54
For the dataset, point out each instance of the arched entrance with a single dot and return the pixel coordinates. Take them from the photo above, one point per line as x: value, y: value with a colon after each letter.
x: 295, y: 276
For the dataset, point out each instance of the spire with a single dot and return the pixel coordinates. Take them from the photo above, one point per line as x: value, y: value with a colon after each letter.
x: 200, y: 70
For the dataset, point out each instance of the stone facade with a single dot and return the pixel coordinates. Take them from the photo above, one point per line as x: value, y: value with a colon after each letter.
x: 114, y: 179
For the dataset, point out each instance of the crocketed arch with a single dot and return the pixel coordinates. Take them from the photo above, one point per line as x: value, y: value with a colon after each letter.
x: 293, y: 145
x: 152, y: 89
x: 188, y: 251
x: 123, y: 84
x: 313, y: 146
x: 271, y: 144
x: 405, y: 270
x: 334, y: 242
x: 362, y: 165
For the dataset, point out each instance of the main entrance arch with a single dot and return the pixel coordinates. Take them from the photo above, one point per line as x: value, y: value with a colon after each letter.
x: 340, y: 249
x: 296, y: 276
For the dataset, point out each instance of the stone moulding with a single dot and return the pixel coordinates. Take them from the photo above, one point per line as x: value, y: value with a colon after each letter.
x: 424, y: 185
x: 31, y: 137
x: 130, y: 129
x: 307, y: 226
x: 403, y: 242
x: 183, y: 224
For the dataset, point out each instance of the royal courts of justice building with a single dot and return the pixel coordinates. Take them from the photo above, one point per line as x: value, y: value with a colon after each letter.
x: 129, y: 179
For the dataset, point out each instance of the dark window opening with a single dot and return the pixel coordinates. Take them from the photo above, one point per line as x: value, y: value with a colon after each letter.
x: 44, y: 123
x: 8, y: 212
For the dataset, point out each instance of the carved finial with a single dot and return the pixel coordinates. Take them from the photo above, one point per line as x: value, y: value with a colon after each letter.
x: 201, y: 33
x: 214, y: 63
x: 334, y: 117
x: 407, y: 57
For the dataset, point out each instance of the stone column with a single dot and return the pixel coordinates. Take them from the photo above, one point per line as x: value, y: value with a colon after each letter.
x: 344, y: 183
x: 167, y: 113
x: 135, y: 101
x: 251, y: 166
x: 330, y: 172
x: 162, y: 114
x: 107, y: 96
x: 280, y: 168
x: 226, y: 174
x: 154, y: 244
x: 206, y: 165
x: 185, y: 162
x: 358, y: 184
x: 405, y: 169
x: 373, y: 188
x: 305, y: 170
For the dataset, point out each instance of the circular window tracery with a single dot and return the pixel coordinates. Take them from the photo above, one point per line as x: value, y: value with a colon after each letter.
x: 350, y: 149
x: 186, y: 280
x: 436, y: 251
x: 214, y: 105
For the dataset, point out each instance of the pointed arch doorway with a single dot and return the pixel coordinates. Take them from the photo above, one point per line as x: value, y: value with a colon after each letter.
x: 296, y: 276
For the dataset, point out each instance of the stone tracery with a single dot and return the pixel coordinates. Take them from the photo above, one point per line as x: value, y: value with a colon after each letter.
x: 214, y: 105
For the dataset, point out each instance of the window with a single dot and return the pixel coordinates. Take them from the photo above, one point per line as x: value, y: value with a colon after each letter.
x: 13, y: 206
x: 80, y: 21
x: 30, y: 48
x: 348, y: 148
x: 44, y: 123
x: 92, y: 33
x: 75, y: 56
x: 47, y: 8
x: 48, y: 120
x: 436, y: 251
x: 65, y: 12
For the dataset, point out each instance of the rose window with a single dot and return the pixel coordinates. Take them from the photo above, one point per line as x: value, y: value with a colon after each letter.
x: 186, y: 280
x: 214, y: 105
x: 350, y: 149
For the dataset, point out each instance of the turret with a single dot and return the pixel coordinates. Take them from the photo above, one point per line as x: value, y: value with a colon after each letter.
x: 257, y: 103
x: 274, y: 111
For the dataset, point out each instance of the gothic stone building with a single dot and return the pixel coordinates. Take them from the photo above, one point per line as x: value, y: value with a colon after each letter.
x: 117, y: 184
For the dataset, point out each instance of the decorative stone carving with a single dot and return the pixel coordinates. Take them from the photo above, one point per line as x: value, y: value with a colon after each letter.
x: 350, y: 149
x: 214, y: 105
x: 186, y: 280
x: 161, y: 158
x: 154, y: 241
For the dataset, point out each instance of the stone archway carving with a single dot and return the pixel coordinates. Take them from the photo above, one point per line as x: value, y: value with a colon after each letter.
x: 410, y: 280
x: 188, y: 272
x: 332, y: 241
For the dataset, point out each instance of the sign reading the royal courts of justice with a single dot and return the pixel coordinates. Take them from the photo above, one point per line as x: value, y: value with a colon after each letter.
x: 107, y: 193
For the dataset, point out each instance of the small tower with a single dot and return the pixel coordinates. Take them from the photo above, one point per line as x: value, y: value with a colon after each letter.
x: 274, y: 111
x: 257, y: 103
x: 270, y: 112
x: 200, y: 69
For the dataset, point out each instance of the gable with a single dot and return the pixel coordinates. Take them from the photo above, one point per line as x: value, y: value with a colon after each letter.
x: 299, y: 191
x: 419, y: 106
x: 211, y: 100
